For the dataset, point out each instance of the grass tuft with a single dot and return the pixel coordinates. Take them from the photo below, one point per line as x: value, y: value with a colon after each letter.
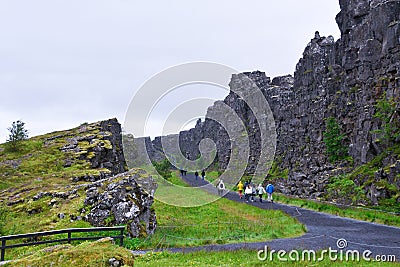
x: 86, y: 254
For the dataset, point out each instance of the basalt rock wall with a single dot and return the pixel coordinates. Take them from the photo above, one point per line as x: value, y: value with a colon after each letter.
x: 342, y: 79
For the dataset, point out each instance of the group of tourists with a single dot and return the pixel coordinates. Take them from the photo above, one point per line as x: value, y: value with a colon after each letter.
x: 196, y: 174
x: 251, y: 191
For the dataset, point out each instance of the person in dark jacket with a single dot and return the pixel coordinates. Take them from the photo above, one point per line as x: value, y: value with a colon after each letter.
x: 196, y: 174
x: 203, y: 174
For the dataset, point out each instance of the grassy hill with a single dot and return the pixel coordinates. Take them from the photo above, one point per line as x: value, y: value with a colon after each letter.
x: 38, y: 181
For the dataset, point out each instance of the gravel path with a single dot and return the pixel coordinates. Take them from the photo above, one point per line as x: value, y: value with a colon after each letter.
x: 323, y: 231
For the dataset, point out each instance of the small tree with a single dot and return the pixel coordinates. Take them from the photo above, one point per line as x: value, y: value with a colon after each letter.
x: 333, y: 139
x: 386, y: 113
x: 17, y: 134
x: 163, y: 168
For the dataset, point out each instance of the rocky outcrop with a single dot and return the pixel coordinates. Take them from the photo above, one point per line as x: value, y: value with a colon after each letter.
x: 120, y: 200
x: 99, y: 143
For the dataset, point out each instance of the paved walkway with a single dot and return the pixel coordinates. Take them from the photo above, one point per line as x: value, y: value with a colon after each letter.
x: 323, y: 230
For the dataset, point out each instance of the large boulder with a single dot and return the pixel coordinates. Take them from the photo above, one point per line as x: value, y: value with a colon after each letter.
x: 120, y: 200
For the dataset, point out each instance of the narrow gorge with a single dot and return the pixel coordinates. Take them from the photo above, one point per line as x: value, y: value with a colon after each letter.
x: 344, y: 80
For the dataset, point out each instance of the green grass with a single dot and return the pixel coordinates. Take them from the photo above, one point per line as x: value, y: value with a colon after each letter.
x: 360, y: 213
x: 219, y: 222
x: 18, y: 220
x: 41, y: 158
x: 235, y: 258
x: 211, y: 176
x: 98, y: 254
x: 176, y: 179
x: 86, y: 254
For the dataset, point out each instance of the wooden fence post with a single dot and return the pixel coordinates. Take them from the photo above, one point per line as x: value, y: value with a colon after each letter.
x: 3, y: 249
x: 121, y: 238
x: 69, y: 237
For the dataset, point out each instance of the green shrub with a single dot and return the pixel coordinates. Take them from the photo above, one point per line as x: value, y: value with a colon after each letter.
x: 341, y: 187
x: 276, y: 171
x: 386, y: 112
x: 333, y: 139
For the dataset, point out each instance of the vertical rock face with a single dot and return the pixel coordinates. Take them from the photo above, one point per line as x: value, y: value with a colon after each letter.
x: 343, y: 79
x: 113, y: 159
x: 98, y: 143
x: 369, y: 56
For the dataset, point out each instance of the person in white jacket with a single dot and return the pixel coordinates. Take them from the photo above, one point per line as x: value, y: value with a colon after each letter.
x: 260, y: 191
x: 247, y: 192
x: 221, y: 187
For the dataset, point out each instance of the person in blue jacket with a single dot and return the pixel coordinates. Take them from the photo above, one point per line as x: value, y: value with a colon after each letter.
x: 270, y: 190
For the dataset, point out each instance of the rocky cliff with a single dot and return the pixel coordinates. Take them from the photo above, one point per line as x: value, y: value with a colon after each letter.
x: 342, y: 79
x: 99, y: 143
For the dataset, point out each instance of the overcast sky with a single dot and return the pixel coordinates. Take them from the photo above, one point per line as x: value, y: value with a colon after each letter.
x: 63, y: 63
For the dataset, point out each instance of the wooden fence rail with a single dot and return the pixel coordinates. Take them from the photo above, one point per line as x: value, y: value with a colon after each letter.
x: 68, y: 239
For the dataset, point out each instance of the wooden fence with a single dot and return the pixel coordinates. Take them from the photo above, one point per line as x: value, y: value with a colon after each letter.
x: 32, y: 238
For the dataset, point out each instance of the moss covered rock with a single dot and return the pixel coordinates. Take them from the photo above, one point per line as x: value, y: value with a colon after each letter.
x: 122, y: 200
